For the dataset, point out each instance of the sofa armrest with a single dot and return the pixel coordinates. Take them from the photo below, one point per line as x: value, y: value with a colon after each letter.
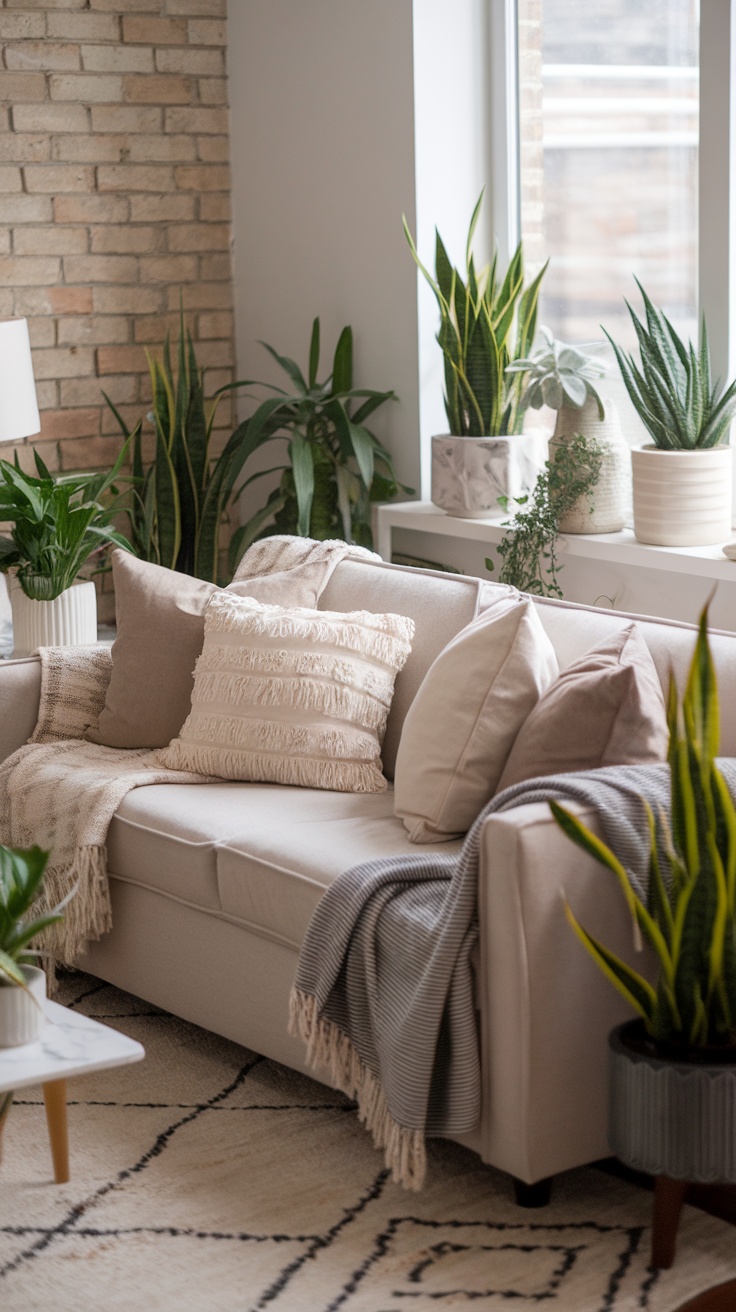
x: 20, y: 691
x: 545, y: 1008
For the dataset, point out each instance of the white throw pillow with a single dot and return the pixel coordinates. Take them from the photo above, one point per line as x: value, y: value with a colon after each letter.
x: 291, y: 696
x: 463, y: 721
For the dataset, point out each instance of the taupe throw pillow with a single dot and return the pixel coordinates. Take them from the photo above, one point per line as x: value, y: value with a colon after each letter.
x: 291, y: 695
x: 463, y: 721
x: 607, y: 708
x: 160, y: 631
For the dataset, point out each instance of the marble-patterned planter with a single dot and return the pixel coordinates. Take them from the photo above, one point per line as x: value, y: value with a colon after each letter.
x: 671, y: 1118
x: 682, y: 498
x: 469, y: 474
x: 70, y: 620
x: 21, y: 1014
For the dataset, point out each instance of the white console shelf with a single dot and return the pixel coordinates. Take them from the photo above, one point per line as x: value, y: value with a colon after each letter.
x: 621, y: 548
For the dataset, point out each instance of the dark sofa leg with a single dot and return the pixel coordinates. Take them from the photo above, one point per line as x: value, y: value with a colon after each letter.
x: 532, y: 1195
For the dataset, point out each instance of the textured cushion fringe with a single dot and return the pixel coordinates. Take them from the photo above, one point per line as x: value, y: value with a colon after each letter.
x: 328, y: 1046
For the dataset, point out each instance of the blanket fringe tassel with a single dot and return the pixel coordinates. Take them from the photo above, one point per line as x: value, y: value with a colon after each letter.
x: 87, y: 916
x: 327, y: 1045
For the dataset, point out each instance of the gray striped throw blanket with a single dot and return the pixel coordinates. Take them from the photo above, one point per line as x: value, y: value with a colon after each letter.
x: 383, y: 995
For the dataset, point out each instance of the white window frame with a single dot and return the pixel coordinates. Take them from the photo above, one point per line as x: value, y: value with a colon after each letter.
x: 716, y: 162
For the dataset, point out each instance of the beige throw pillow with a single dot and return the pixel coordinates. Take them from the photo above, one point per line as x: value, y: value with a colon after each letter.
x: 607, y: 708
x: 292, y: 695
x: 462, y: 723
x: 160, y: 631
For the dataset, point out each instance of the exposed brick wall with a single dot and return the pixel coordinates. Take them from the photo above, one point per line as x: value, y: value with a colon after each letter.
x: 114, y: 196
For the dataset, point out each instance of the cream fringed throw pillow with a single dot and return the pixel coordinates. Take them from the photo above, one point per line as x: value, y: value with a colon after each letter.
x: 463, y: 721
x: 292, y: 696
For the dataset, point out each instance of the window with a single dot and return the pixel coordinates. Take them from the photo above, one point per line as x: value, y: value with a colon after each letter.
x: 608, y: 123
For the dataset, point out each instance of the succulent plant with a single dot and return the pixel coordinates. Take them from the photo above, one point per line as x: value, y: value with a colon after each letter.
x: 672, y: 391
x: 559, y: 374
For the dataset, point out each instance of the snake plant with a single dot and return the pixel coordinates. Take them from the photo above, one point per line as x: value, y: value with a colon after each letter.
x: 672, y: 391
x: 558, y: 374
x: 689, y: 918
x: 58, y: 522
x: 21, y: 875
x: 483, y: 328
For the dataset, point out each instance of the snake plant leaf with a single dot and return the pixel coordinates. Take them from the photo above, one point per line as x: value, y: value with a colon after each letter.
x: 637, y: 991
x: 342, y: 368
x: 658, y: 899
x: 302, y: 464
x: 167, y: 502
x: 314, y: 354
x: 473, y: 225
x: 444, y: 269
x: 720, y: 919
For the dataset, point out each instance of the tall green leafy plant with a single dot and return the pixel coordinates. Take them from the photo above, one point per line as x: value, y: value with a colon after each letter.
x: 57, y: 524
x: 485, y: 324
x: 178, y: 500
x: 689, y: 918
x: 672, y: 391
x: 335, y: 465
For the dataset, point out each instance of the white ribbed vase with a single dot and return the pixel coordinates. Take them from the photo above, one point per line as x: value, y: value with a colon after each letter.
x: 671, y: 1118
x: 22, y: 1016
x: 682, y: 498
x: 608, y: 508
x: 70, y: 620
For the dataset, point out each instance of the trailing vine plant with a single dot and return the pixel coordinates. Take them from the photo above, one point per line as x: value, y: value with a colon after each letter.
x: 529, y: 550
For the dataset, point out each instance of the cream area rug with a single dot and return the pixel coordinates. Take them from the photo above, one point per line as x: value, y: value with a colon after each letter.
x: 206, y: 1178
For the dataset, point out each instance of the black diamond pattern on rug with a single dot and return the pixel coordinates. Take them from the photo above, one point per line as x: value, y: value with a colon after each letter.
x: 209, y: 1178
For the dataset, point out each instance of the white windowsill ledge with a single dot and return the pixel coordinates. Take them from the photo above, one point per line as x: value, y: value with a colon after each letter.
x: 621, y: 548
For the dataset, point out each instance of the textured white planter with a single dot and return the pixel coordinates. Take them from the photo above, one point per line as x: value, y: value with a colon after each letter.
x: 682, y: 498
x: 22, y: 1017
x: 611, y: 497
x: 469, y: 474
x: 70, y: 620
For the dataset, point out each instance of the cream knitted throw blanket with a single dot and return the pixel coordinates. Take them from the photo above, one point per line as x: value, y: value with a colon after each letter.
x: 61, y: 792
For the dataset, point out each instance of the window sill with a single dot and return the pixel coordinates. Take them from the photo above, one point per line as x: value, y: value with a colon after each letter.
x: 621, y: 548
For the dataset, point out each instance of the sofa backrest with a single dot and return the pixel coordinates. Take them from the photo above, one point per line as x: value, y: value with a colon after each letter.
x: 439, y: 604
x: 442, y: 604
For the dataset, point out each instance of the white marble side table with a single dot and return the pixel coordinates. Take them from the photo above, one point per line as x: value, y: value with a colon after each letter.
x: 71, y: 1044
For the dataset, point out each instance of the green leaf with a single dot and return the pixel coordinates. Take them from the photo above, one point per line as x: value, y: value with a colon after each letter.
x: 342, y: 369
x: 302, y: 464
x: 289, y: 366
x: 314, y: 354
x: 632, y: 986
x: 363, y: 446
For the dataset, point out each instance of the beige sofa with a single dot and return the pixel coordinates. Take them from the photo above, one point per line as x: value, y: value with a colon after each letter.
x: 213, y: 887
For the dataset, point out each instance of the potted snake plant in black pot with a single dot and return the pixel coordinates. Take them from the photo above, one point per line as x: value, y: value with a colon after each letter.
x: 487, y: 321
x: 673, y: 1070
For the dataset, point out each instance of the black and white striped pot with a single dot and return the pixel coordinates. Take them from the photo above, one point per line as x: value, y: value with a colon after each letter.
x: 673, y: 1118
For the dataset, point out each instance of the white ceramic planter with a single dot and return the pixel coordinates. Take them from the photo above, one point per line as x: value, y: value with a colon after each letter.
x: 22, y: 1016
x: 469, y: 474
x: 682, y: 498
x: 70, y: 620
x: 608, y: 509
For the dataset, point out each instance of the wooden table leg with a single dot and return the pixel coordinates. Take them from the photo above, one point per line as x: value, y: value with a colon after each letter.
x: 669, y: 1196
x: 5, y: 1101
x: 54, y: 1097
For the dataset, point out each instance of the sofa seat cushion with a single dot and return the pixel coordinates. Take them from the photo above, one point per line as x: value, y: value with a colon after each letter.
x: 294, y: 845
x: 261, y: 853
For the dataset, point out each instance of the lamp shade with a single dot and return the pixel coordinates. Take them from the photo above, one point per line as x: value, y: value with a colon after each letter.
x: 19, y: 416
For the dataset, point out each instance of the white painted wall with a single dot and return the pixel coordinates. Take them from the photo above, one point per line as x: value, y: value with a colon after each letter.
x: 322, y: 144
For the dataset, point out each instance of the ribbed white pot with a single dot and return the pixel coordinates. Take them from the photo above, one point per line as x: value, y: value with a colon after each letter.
x: 469, y: 474
x: 682, y: 498
x: 70, y: 620
x: 608, y: 508
x: 22, y: 1016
